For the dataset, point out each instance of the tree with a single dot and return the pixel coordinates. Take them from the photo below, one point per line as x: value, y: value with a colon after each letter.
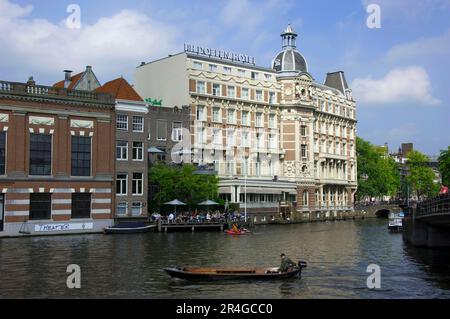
x: 181, y: 183
x: 444, y: 166
x: 420, y: 176
x: 378, y: 174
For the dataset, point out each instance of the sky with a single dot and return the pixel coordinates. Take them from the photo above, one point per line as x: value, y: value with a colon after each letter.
x: 399, y: 72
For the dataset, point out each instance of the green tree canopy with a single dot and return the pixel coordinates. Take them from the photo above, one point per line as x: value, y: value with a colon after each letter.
x: 444, y: 166
x: 378, y: 174
x: 420, y: 176
x: 183, y: 184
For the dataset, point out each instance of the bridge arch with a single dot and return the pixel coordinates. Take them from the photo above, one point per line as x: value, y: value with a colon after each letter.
x: 383, y: 213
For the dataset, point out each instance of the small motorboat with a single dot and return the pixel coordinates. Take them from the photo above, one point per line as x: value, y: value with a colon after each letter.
x: 129, y: 228
x: 396, y: 222
x: 239, y: 232
x: 211, y: 273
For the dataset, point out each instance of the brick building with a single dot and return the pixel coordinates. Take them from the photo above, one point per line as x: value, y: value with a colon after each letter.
x: 56, y: 160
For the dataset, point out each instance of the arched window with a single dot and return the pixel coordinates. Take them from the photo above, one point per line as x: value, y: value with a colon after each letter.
x: 305, y: 198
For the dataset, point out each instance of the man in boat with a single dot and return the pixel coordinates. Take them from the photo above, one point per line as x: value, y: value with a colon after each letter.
x: 235, y: 228
x: 286, y: 263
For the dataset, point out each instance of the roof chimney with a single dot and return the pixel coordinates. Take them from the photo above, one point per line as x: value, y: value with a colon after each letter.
x: 67, y: 78
x: 88, y: 68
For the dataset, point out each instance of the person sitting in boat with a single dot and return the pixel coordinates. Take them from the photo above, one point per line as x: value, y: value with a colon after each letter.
x: 235, y: 228
x: 286, y: 263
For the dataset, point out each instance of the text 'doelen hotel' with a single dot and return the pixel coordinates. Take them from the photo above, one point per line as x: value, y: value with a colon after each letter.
x: 282, y: 144
x: 56, y: 159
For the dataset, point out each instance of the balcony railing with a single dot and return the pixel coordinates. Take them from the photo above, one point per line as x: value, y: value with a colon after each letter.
x: 30, y: 89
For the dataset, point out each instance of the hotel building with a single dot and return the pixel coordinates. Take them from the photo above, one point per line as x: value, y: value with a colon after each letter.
x: 56, y: 159
x: 282, y: 143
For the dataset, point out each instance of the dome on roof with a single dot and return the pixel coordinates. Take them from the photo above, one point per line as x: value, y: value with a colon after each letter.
x: 289, y: 60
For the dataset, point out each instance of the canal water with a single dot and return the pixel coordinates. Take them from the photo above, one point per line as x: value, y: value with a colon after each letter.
x: 130, y: 266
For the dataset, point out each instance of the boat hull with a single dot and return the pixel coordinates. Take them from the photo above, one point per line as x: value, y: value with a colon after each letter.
x: 210, y: 276
x: 132, y: 230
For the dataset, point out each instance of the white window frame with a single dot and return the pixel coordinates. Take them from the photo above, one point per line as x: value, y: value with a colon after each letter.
x: 177, y: 132
x: 125, y: 205
x: 228, y: 91
x: 272, y: 121
x: 121, y: 150
x: 141, y: 180
x: 141, y: 159
x: 231, y: 116
x: 215, y: 92
x: 247, y: 121
x: 259, y: 123
x: 157, y: 131
x: 140, y: 208
x: 212, y: 67
x: 259, y: 95
x: 118, y: 121
x: 202, y: 113
x: 140, y: 124
x: 219, y: 114
x: 247, y: 96
x: 202, y: 85
x: 198, y: 65
x: 126, y: 185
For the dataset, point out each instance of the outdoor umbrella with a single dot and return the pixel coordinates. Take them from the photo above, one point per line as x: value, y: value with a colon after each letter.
x: 208, y: 203
x: 175, y: 203
x: 154, y: 150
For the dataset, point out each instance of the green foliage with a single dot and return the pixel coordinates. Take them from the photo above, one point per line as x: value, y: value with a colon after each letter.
x: 444, y: 166
x: 183, y: 184
x: 420, y: 175
x: 378, y: 174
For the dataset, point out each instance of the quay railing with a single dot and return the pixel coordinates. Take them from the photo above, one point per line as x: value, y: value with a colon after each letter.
x: 32, y: 89
x: 435, y: 206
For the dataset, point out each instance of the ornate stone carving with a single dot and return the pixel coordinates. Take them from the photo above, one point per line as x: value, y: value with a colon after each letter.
x: 39, y: 120
x: 82, y: 124
x: 4, y: 118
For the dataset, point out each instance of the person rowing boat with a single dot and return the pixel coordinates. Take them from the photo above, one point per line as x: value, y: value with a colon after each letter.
x: 286, y: 264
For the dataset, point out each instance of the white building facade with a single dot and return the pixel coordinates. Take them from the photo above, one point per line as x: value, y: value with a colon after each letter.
x: 282, y: 144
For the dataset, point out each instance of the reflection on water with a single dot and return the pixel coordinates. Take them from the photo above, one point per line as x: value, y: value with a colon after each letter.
x: 122, y: 266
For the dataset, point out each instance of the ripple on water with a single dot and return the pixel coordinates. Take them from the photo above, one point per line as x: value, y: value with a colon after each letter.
x: 337, y: 253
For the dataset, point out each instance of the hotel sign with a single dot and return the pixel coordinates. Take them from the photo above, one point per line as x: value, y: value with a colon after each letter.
x: 220, y: 54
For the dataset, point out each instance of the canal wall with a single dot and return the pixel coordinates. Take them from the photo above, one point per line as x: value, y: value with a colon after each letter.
x: 421, y: 234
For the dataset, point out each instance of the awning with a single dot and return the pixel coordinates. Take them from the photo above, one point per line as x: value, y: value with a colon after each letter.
x: 154, y: 150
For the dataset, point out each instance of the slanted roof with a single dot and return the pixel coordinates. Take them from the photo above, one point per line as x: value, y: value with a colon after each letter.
x: 337, y: 81
x: 120, y: 89
x: 73, y: 81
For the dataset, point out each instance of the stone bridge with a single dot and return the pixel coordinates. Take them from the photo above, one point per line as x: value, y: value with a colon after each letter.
x: 428, y: 224
x: 380, y: 209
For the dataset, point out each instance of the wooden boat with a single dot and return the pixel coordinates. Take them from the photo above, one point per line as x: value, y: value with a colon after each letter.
x: 211, y: 273
x: 129, y: 228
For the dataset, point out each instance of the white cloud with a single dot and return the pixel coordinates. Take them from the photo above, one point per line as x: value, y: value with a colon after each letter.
x: 409, y: 10
x: 423, y: 48
x: 402, y: 133
x: 250, y: 15
x: 409, y: 84
x: 112, y: 45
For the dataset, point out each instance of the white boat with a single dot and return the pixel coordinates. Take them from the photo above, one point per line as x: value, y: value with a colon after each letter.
x: 396, y: 221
